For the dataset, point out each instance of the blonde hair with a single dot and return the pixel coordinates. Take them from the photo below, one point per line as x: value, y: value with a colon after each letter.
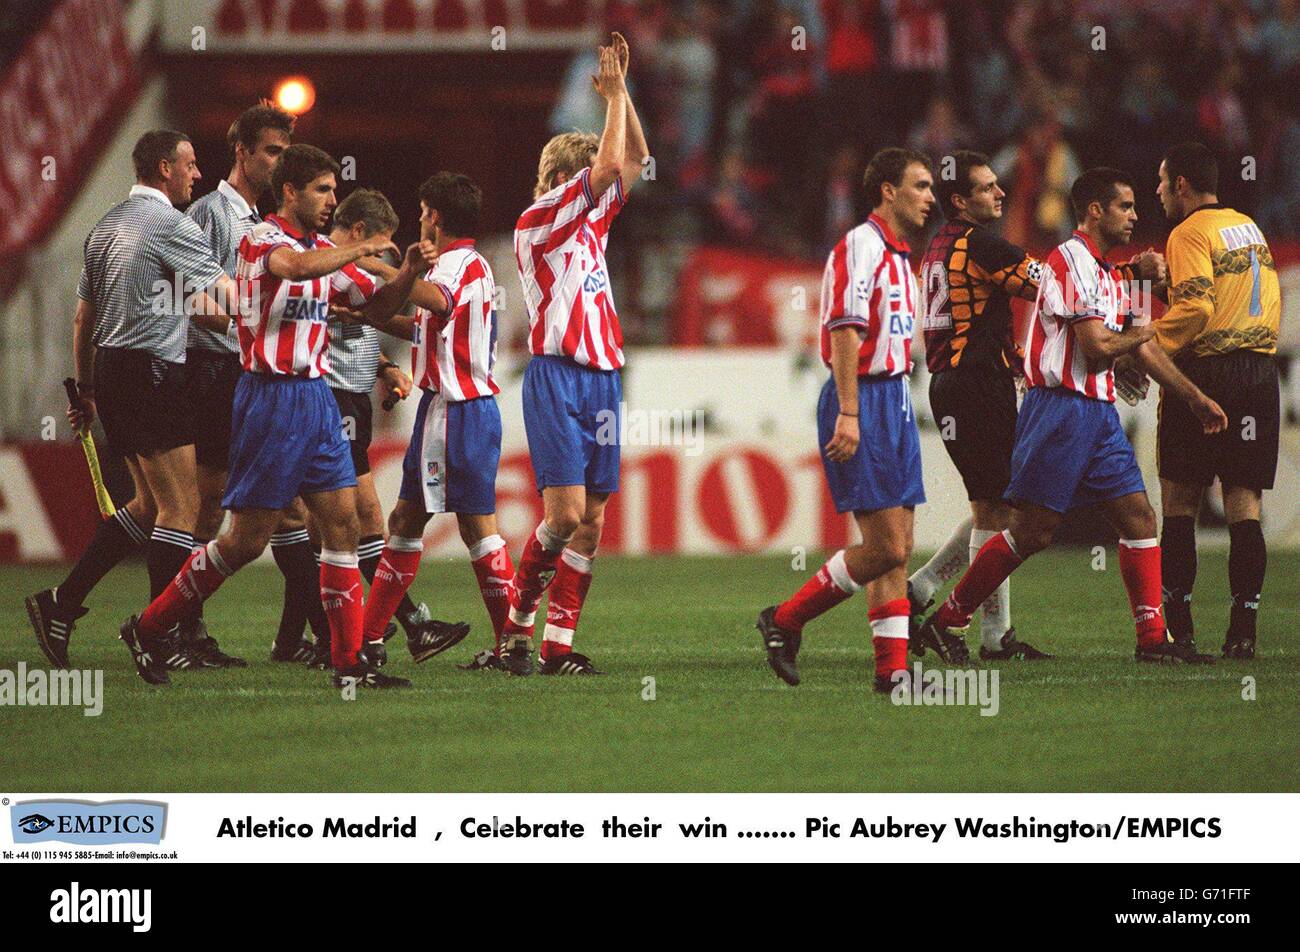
x: 567, y: 153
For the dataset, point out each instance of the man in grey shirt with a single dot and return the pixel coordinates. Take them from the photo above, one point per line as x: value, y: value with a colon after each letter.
x: 129, y: 348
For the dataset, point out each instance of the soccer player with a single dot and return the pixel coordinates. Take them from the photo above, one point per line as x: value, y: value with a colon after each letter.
x: 1221, y: 329
x: 286, y: 434
x: 969, y: 276
x: 355, y: 365
x: 871, y: 450
x: 572, y: 389
x: 451, y: 463
x: 1070, y: 448
x: 226, y: 214
x: 129, y: 349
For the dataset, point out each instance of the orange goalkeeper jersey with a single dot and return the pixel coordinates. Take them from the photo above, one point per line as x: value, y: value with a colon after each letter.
x: 1223, y: 287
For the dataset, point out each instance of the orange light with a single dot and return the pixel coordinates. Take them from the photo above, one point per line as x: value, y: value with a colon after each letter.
x: 295, y: 95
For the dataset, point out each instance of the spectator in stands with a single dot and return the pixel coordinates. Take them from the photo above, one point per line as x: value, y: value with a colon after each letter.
x: 1037, y: 170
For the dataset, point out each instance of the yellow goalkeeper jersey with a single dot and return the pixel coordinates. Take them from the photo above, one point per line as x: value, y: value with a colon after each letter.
x: 1223, y: 288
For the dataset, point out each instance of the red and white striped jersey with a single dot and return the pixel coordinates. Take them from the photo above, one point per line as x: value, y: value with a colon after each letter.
x: 560, y: 249
x: 868, y: 284
x: 282, y: 328
x: 455, y: 355
x: 1078, y: 285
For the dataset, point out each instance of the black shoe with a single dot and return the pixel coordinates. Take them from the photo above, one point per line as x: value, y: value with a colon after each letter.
x: 390, y: 629
x: 518, y: 657
x: 322, y: 657
x: 782, y: 646
x: 433, y: 637
x: 364, y: 676
x: 175, y: 655
x: 372, y: 654
x: 1172, y: 652
x: 203, y: 648
x: 484, y: 660
x: 1188, y: 641
x: 1013, y: 648
x: 1242, y: 648
x: 53, y: 627
x: 145, y: 652
x: 571, y: 663
x: 915, y: 618
x: 945, y: 642
x: 301, y: 653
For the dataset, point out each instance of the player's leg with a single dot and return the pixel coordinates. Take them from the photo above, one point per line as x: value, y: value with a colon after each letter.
x: 889, y: 533
x: 54, y: 612
x: 1246, y: 466
x: 493, y: 569
x: 342, y: 591
x: 244, y: 539
x: 563, y: 508
x: 1247, y: 563
x: 295, y: 556
x: 568, y: 592
x: 1179, y: 504
x: 947, y: 563
x: 396, y: 567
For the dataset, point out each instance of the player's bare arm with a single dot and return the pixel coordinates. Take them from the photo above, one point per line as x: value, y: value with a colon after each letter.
x: 1152, y: 358
x: 83, y: 356
x: 611, y: 154
x: 1101, y: 343
x: 637, y: 148
x: 423, y: 294
x: 845, y: 344
x: 305, y: 265
x: 215, y: 307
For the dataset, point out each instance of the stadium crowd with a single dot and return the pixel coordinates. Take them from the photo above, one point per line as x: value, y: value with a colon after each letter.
x: 764, y: 112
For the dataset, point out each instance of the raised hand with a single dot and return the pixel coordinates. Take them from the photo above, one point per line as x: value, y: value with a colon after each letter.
x: 608, y: 81
x: 621, y: 52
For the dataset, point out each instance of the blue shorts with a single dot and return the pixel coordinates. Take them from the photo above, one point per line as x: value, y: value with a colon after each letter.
x: 573, y: 418
x: 451, y: 464
x: 886, y: 470
x: 1070, y: 451
x: 286, y: 438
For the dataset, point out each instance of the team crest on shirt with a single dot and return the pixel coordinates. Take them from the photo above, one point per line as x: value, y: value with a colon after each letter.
x: 431, y: 472
x: 862, y: 287
x: 593, y: 282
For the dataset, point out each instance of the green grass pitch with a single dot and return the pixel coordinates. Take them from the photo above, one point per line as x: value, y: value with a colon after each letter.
x: 1092, y: 720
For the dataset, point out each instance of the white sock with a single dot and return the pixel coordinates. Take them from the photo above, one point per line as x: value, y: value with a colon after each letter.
x: 953, y: 557
x: 995, y: 613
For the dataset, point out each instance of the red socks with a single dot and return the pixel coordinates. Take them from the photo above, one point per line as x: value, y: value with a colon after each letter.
x: 569, y: 591
x: 342, y: 594
x: 394, y: 574
x: 200, y: 576
x: 1139, y: 564
x: 889, y: 635
x: 830, y: 586
x: 494, y: 570
x: 535, y: 572
x: 996, y: 560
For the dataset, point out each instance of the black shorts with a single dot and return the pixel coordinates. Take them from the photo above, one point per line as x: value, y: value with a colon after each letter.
x: 1245, y: 383
x: 210, y: 380
x: 975, y: 411
x: 356, y: 407
x: 141, y: 402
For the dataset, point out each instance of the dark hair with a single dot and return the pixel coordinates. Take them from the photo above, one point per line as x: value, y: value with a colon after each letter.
x: 457, y: 199
x: 298, y: 165
x: 888, y: 165
x: 157, y: 145
x: 248, y: 127
x: 960, y: 183
x: 1194, y: 162
x: 1096, y: 185
x: 368, y: 206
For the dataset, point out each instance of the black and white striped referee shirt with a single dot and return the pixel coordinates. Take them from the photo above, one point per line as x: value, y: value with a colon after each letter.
x: 132, y: 257
x: 225, y: 218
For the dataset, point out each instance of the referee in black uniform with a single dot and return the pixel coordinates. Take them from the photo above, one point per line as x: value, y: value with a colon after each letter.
x: 129, y: 347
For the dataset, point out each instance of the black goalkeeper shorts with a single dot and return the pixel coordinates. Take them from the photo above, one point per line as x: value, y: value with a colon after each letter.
x: 358, y: 425
x: 975, y: 411
x: 1246, y: 384
x: 210, y: 379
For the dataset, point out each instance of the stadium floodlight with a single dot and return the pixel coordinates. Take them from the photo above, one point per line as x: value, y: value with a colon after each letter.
x: 295, y: 94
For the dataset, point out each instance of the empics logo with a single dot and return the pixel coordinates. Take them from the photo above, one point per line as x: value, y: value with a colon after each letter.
x: 76, y: 905
x: 88, y: 824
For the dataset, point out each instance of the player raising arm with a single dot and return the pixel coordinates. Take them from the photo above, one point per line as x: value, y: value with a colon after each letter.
x: 286, y: 434
x: 1070, y: 448
x: 572, y: 387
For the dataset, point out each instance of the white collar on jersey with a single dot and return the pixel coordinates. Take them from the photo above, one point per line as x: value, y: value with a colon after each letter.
x: 148, y: 191
x: 233, y: 196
